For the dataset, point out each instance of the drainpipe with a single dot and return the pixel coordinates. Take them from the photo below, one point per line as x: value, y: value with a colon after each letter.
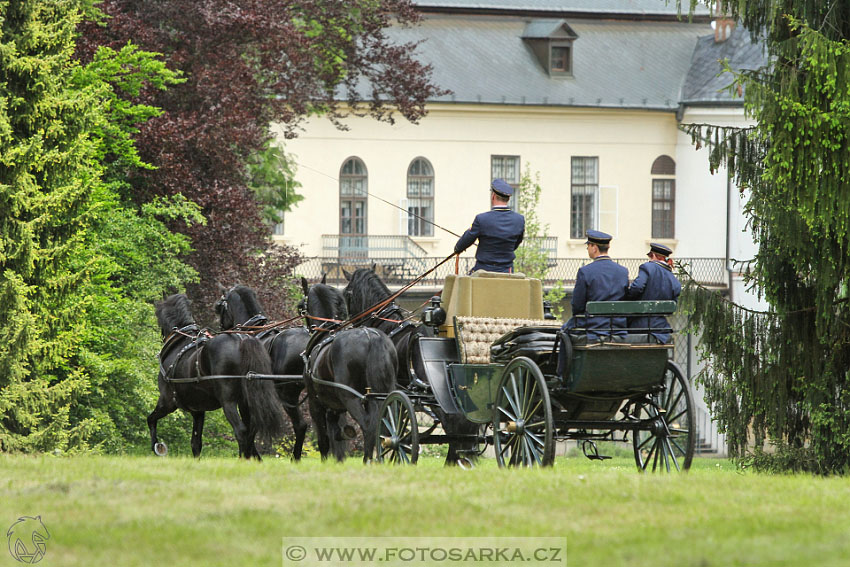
x: 728, y: 228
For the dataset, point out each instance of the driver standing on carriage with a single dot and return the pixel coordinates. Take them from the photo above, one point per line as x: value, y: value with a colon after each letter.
x: 655, y: 281
x: 499, y: 232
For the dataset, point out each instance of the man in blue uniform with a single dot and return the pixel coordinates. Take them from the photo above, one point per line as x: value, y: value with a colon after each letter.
x: 601, y: 280
x: 499, y: 232
x: 655, y: 281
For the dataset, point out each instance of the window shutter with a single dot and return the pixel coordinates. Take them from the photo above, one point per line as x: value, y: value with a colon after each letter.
x: 609, y: 220
x: 402, y: 217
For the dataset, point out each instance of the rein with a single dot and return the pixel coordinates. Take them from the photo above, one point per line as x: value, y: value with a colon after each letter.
x: 251, y: 329
x: 380, y: 305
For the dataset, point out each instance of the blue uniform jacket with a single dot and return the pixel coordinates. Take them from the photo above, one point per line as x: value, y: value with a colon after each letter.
x: 601, y: 280
x: 655, y: 281
x: 499, y: 232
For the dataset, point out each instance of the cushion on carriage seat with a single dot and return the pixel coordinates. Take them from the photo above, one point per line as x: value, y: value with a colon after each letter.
x: 536, y: 343
x: 581, y: 339
x: 642, y: 338
x: 486, y: 274
x: 475, y: 335
x: 491, y: 295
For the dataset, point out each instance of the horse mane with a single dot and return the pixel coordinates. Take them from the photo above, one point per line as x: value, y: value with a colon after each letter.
x: 174, y: 311
x: 365, y: 290
x: 249, y: 299
x: 330, y: 300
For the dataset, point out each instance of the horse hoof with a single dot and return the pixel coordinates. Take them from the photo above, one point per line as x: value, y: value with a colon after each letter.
x: 348, y: 432
x: 465, y: 463
x: 160, y: 449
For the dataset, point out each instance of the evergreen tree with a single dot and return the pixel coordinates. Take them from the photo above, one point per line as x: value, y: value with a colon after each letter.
x: 79, y: 266
x: 48, y: 174
x: 784, y: 376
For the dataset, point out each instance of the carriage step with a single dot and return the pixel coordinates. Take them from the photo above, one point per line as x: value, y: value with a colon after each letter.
x: 591, y: 451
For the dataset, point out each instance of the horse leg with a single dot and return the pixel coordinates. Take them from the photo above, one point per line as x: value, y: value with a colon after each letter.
x: 245, y: 414
x: 164, y: 406
x: 338, y: 443
x: 197, y: 432
x: 457, y: 425
x: 318, y: 413
x: 240, y: 430
x: 364, y: 418
x: 299, y: 424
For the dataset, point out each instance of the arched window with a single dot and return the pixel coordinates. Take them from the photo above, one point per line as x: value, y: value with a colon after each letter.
x: 420, y: 198
x: 663, y: 197
x: 353, y: 190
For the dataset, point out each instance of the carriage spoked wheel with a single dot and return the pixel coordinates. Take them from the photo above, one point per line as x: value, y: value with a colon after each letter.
x: 668, y: 444
x: 397, y: 434
x: 523, y: 434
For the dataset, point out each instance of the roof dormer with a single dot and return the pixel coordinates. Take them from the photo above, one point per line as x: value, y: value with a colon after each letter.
x: 551, y: 41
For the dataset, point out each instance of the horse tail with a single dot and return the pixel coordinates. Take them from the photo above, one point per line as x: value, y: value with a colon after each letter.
x: 266, y: 411
x: 383, y: 360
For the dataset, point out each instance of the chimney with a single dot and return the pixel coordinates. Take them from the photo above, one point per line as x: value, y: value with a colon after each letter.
x: 723, y: 28
x: 722, y: 24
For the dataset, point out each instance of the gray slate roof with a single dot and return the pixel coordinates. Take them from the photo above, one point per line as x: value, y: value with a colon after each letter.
x: 633, y: 7
x: 621, y: 64
x: 704, y: 83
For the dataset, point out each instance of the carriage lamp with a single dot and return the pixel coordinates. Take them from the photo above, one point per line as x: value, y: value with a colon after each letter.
x: 434, y: 315
x: 547, y: 310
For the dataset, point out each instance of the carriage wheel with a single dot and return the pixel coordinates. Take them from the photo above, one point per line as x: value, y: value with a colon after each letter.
x: 397, y: 435
x: 523, y: 434
x: 668, y: 444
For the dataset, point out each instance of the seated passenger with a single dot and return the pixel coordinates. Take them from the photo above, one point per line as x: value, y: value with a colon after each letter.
x: 655, y: 281
x: 601, y: 280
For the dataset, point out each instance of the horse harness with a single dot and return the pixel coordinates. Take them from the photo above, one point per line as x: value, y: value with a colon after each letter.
x: 316, y: 343
x: 198, y: 338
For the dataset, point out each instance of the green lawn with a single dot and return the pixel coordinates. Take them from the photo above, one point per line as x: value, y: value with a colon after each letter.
x: 104, y: 511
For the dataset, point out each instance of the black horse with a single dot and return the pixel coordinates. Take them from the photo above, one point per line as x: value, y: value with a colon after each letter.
x: 366, y: 290
x: 239, y: 309
x: 340, y: 368
x: 188, y: 352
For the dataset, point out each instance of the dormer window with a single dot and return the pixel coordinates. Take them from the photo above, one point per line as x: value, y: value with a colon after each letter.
x: 560, y: 59
x: 551, y: 41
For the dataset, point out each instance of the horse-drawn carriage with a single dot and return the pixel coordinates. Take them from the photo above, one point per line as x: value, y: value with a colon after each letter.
x: 495, y: 361
x: 480, y: 371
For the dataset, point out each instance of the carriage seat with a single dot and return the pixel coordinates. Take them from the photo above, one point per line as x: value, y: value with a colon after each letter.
x: 475, y: 335
x: 491, y: 295
x: 628, y: 310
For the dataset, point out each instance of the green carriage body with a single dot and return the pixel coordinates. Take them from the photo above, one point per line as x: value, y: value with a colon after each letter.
x: 611, y: 371
x: 497, y: 368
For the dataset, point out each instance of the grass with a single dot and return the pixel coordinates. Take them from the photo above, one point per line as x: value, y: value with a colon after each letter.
x: 136, y: 510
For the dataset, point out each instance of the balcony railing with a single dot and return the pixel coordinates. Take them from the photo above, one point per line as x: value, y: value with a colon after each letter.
x: 399, y: 270
x: 396, y: 256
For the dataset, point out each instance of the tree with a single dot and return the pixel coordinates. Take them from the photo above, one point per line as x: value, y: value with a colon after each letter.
x: 79, y: 268
x: 48, y: 177
x: 249, y: 65
x: 532, y: 258
x: 784, y: 375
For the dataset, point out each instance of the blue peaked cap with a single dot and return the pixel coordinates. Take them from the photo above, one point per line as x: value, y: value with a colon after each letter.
x: 501, y: 187
x: 660, y: 249
x: 598, y: 237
